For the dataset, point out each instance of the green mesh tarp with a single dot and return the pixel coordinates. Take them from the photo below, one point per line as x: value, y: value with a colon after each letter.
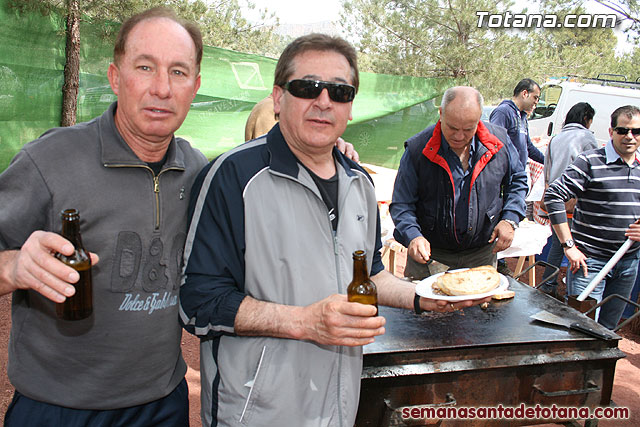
x: 386, y: 111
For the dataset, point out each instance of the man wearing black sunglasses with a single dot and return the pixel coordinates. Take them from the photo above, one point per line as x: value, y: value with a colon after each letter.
x: 606, y: 184
x: 269, y: 256
x: 262, y: 118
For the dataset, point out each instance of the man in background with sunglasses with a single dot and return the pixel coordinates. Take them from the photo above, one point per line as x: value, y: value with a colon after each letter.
x: 268, y: 258
x: 606, y: 184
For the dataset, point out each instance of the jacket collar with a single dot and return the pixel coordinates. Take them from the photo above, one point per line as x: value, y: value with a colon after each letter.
x: 611, y: 155
x: 283, y: 160
x: 486, y: 139
x: 513, y: 106
x: 574, y: 126
x: 116, y: 151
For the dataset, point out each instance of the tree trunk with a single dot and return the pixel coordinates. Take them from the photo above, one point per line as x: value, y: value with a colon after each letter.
x: 71, y: 66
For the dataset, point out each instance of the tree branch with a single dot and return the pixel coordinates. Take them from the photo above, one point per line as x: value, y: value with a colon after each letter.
x: 618, y: 9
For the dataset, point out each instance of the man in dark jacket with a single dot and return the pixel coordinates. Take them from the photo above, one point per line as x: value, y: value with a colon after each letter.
x: 512, y: 113
x: 459, y: 192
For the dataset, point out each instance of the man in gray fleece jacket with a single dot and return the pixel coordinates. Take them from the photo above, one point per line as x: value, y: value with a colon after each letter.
x: 128, y: 176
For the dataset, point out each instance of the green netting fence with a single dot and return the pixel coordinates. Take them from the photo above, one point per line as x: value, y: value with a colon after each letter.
x: 386, y: 111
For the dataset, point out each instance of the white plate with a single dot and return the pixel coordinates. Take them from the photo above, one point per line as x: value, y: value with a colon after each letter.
x: 424, y: 289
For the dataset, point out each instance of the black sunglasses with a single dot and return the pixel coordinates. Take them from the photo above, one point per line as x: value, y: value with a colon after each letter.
x: 311, y: 89
x: 624, y: 131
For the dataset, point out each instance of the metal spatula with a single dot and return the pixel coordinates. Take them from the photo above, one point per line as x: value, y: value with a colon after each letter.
x: 546, y: 317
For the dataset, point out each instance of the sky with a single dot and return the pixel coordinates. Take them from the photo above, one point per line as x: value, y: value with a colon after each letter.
x: 307, y: 12
x: 299, y: 11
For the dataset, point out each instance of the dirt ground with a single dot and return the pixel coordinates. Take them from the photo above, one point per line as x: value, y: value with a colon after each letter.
x: 626, y: 389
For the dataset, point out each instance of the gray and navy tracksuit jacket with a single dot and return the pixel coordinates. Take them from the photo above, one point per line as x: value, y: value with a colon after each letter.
x: 259, y: 227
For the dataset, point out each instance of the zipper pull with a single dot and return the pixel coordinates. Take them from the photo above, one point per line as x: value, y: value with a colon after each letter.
x: 156, y: 184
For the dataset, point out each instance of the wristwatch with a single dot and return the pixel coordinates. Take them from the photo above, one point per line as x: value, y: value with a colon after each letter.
x: 511, y: 223
x: 569, y: 243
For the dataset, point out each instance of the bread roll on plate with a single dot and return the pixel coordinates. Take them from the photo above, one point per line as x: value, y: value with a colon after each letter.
x: 477, y: 280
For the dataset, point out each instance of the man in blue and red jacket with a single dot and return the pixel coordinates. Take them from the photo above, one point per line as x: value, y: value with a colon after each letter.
x: 459, y: 193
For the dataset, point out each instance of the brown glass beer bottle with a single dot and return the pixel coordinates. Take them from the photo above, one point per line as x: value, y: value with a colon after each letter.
x: 362, y: 289
x: 80, y: 305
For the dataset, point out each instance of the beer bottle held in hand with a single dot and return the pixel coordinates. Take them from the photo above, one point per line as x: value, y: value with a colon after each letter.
x: 80, y: 305
x: 362, y: 289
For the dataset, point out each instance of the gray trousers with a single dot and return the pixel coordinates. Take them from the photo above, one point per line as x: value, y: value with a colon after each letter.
x: 446, y: 259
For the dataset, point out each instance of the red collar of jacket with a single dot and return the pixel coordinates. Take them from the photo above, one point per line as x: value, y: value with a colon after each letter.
x: 486, y: 138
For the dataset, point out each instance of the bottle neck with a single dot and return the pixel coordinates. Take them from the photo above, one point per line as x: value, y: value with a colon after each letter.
x: 71, y: 231
x: 360, y: 272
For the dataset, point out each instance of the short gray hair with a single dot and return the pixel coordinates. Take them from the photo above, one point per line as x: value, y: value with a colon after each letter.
x: 451, y: 94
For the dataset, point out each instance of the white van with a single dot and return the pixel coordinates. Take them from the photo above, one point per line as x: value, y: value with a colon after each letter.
x: 559, y: 95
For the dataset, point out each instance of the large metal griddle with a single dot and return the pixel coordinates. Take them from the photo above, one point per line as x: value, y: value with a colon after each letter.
x: 491, y: 356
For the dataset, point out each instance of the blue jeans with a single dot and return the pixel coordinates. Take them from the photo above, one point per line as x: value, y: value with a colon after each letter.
x: 628, y: 312
x: 619, y: 281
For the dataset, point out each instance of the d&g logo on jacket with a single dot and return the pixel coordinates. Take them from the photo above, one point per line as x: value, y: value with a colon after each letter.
x: 147, y: 276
